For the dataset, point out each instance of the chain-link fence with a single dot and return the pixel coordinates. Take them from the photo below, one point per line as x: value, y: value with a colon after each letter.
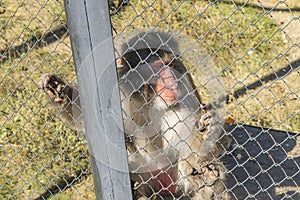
x: 250, y: 47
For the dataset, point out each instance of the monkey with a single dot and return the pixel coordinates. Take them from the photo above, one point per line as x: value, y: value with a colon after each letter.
x: 172, y: 138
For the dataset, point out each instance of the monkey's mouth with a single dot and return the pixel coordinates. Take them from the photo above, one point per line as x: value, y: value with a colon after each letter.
x: 167, y: 95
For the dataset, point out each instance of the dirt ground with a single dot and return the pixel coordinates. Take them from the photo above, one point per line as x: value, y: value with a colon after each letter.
x: 286, y: 15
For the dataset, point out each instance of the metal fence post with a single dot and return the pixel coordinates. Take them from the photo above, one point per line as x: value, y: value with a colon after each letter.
x: 92, y: 47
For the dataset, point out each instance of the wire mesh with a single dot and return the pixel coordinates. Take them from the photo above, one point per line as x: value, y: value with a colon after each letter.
x: 41, y: 157
x: 254, y: 49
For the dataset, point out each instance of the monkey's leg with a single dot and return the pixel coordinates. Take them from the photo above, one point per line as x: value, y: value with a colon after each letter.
x: 210, y: 171
x: 210, y: 179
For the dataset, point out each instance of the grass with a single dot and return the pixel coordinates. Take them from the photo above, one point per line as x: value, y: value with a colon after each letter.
x: 37, y: 149
x: 246, y: 46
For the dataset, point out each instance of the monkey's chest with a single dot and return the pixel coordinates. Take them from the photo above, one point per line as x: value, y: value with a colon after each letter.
x: 165, y: 181
x: 176, y: 131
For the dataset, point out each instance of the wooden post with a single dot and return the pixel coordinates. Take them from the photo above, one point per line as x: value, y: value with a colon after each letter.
x: 92, y: 46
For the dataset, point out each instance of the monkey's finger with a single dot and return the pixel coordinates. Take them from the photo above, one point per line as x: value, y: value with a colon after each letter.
x: 43, y: 80
x: 204, y: 120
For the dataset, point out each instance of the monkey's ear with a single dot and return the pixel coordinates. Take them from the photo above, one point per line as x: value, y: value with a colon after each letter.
x: 120, y: 61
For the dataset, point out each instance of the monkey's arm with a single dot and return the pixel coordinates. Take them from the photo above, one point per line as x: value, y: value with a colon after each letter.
x: 209, y: 174
x: 211, y: 131
x: 64, y: 97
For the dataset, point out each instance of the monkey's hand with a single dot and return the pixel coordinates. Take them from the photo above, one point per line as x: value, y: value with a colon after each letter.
x: 210, y: 128
x: 208, y: 121
x: 54, y: 87
x: 64, y: 97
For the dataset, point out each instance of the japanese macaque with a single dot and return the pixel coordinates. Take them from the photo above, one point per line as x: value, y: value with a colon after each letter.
x: 171, y: 137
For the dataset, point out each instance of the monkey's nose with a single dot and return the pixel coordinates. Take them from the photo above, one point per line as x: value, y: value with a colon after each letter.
x: 168, y: 79
x: 170, y: 83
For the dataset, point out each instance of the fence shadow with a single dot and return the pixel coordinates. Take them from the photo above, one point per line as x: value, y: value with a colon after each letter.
x: 271, y: 77
x: 260, y: 163
x: 35, y: 42
x: 63, y: 184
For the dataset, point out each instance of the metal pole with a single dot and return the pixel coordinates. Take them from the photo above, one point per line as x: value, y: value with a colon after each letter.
x: 92, y: 46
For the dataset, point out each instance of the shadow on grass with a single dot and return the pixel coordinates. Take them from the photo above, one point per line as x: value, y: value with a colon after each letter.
x: 35, y: 42
x: 63, y: 184
x: 271, y: 77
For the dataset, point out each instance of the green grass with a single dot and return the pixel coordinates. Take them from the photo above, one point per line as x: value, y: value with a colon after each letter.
x: 38, y: 149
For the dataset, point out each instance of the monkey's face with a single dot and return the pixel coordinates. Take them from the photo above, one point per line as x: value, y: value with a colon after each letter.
x: 154, y: 83
x: 164, y: 82
x: 154, y: 78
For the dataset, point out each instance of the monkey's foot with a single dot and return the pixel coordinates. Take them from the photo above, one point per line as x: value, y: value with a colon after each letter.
x: 209, y: 172
x: 54, y: 87
x: 209, y: 180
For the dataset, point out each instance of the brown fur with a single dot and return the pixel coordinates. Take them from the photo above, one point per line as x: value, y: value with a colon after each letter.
x: 187, y: 133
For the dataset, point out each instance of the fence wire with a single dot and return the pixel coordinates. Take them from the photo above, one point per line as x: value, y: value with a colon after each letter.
x: 253, y: 47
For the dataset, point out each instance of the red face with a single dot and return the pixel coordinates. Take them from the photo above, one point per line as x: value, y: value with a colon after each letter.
x: 165, y: 86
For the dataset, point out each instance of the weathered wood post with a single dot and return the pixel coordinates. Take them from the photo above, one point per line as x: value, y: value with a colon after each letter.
x: 92, y: 46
